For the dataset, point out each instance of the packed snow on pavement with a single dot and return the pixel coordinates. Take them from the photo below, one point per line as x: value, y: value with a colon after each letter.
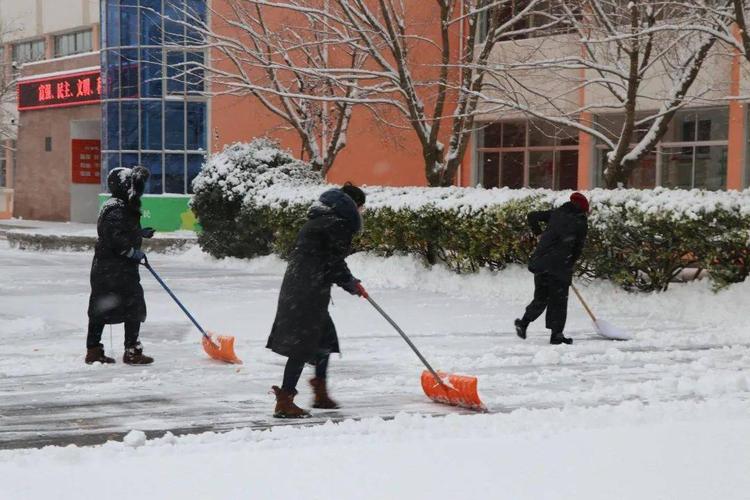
x: 665, y: 415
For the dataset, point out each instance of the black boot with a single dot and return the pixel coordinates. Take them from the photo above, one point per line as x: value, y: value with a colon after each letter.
x: 558, y: 338
x: 134, y: 356
x: 96, y: 355
x: 521, y: 327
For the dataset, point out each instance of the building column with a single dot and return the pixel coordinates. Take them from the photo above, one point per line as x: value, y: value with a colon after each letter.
x: 586, y: 155
x: 737, y: 133
x: 95, y: 35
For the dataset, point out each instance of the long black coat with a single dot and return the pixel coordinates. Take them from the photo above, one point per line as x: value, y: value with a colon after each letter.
x: 116, y: 292
x: 561, y: 243
x: 303, y: 328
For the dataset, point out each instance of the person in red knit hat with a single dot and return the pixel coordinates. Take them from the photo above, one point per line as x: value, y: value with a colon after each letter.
x: 560, y: 245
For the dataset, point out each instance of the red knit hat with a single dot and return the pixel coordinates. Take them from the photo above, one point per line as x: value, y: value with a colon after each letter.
x: 580, y: 201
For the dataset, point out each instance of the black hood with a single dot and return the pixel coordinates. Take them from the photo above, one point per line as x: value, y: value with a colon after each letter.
x: 336, y: 202
x: 128, y: 184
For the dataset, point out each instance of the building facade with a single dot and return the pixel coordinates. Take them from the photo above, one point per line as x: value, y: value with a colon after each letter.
x: 102, y: 84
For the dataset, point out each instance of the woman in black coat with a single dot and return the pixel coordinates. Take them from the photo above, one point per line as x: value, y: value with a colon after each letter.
x: 116, y: 293
x: 303, y: 330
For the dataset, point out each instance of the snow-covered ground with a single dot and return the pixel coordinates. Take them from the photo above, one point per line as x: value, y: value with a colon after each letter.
x: 665, y: 415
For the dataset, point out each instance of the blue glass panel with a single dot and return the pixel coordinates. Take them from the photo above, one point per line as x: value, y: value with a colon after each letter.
x: 174, y: 29
x: 129, y: 125
x: 129, y: 160
x: 112, y: 36
x: 174, y: 125
x: 195, y: 17
x: 194, y: 73
x: 153, y: 162
x: 151, y: 73
x: 129, y: 23
x: 174, y: 173
x: 196, y: 125
x: 112, y: 75
x: 112, y: 125
x: 129, y: 70
x: 197, y: 9
x: 110, y: 161
x: 175, y: 72
x: 151, y: 124
x: 150, y: 22
x: 194, y: 165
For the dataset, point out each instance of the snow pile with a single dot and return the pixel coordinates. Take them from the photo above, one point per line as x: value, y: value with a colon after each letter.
x: 242, y: 170
x: 134, y: 438
x: 687, y: 450
x: 680, y: 204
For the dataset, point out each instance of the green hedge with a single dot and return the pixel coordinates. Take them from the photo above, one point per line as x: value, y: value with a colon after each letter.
x: 633, y: 245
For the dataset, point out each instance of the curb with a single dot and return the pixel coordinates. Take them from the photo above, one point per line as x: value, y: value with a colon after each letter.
x: 47, y: 242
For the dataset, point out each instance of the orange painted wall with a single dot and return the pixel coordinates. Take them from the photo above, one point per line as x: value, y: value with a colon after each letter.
x: 376, y: 154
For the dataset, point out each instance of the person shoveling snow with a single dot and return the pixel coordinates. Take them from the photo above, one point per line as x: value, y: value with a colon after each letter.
x: 116, y: 292
x: 303, y: 330
x: 560, y: 245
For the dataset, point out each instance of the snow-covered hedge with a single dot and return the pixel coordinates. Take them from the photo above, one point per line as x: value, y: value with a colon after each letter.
x: 226, y: 190
x: 640, y: 239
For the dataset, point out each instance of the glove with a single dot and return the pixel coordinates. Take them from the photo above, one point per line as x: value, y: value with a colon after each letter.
x: 136, y: 255
x: 355, y: 288
x: 147, y: 232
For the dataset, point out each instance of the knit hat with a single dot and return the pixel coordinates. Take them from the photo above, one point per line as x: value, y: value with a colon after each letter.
x: 580, y: 201
x: 354, y: 193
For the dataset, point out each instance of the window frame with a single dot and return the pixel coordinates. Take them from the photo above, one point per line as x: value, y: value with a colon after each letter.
x: 660, y: 154
x: 73, y: 35
x: 555, y: 148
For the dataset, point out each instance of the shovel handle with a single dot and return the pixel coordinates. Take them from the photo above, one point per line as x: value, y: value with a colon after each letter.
x: 161, y: 282
x: 583, y: 302
x: 406, y: 338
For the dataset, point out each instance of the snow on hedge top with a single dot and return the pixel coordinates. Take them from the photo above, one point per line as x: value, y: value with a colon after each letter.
x: 675, y: 203
x: 241, y: 170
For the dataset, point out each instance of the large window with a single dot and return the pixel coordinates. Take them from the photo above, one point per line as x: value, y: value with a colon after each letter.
x: 692, y: 154
x: 24, y: 52
x: 73, y: 43
x: 155, y: 109
x: 547, y: 15
x: 528, y: 154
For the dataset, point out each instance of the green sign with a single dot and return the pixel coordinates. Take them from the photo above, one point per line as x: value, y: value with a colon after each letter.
x: 165, y: 212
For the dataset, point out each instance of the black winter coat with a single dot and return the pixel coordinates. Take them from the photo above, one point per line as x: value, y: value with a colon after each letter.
x: 561, y: 243
x: 303, y: 328
x: 116, y: 292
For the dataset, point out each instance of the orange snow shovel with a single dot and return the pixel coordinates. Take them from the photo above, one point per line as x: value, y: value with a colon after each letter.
x: 441, y: 387
x: 220, y: 347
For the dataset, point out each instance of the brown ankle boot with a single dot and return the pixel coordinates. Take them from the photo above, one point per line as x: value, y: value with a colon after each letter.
x: 321, y: 395
x: 134, y: 356
x: 96, y: 355
x: 285, y: 407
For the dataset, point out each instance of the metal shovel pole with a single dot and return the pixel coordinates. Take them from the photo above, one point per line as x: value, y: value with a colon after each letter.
x: 406, y: 338
x: 184, y: 309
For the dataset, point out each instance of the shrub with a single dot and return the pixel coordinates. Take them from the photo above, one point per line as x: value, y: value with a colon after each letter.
x: 640, y: 239
x: 226, y: 191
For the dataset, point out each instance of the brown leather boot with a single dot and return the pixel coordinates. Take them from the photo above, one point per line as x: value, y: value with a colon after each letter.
x: 285, y: 407
x: 321, y: 395
x: 96, y: 355
x: 134, y: 356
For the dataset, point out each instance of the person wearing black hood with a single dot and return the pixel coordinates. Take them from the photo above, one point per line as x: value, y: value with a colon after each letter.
x: 560, y: 245
x: 303, y: 330
x: 116, y: 292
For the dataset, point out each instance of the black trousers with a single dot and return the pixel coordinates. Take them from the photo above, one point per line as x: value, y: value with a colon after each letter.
x: 94, y: 337
x: 294, y: 367
x: 550, y: 293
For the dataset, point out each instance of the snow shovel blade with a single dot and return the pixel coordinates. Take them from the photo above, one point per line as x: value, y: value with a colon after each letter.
x: 456, y: 390
x: 610, y: 331
x: 221, y: 347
